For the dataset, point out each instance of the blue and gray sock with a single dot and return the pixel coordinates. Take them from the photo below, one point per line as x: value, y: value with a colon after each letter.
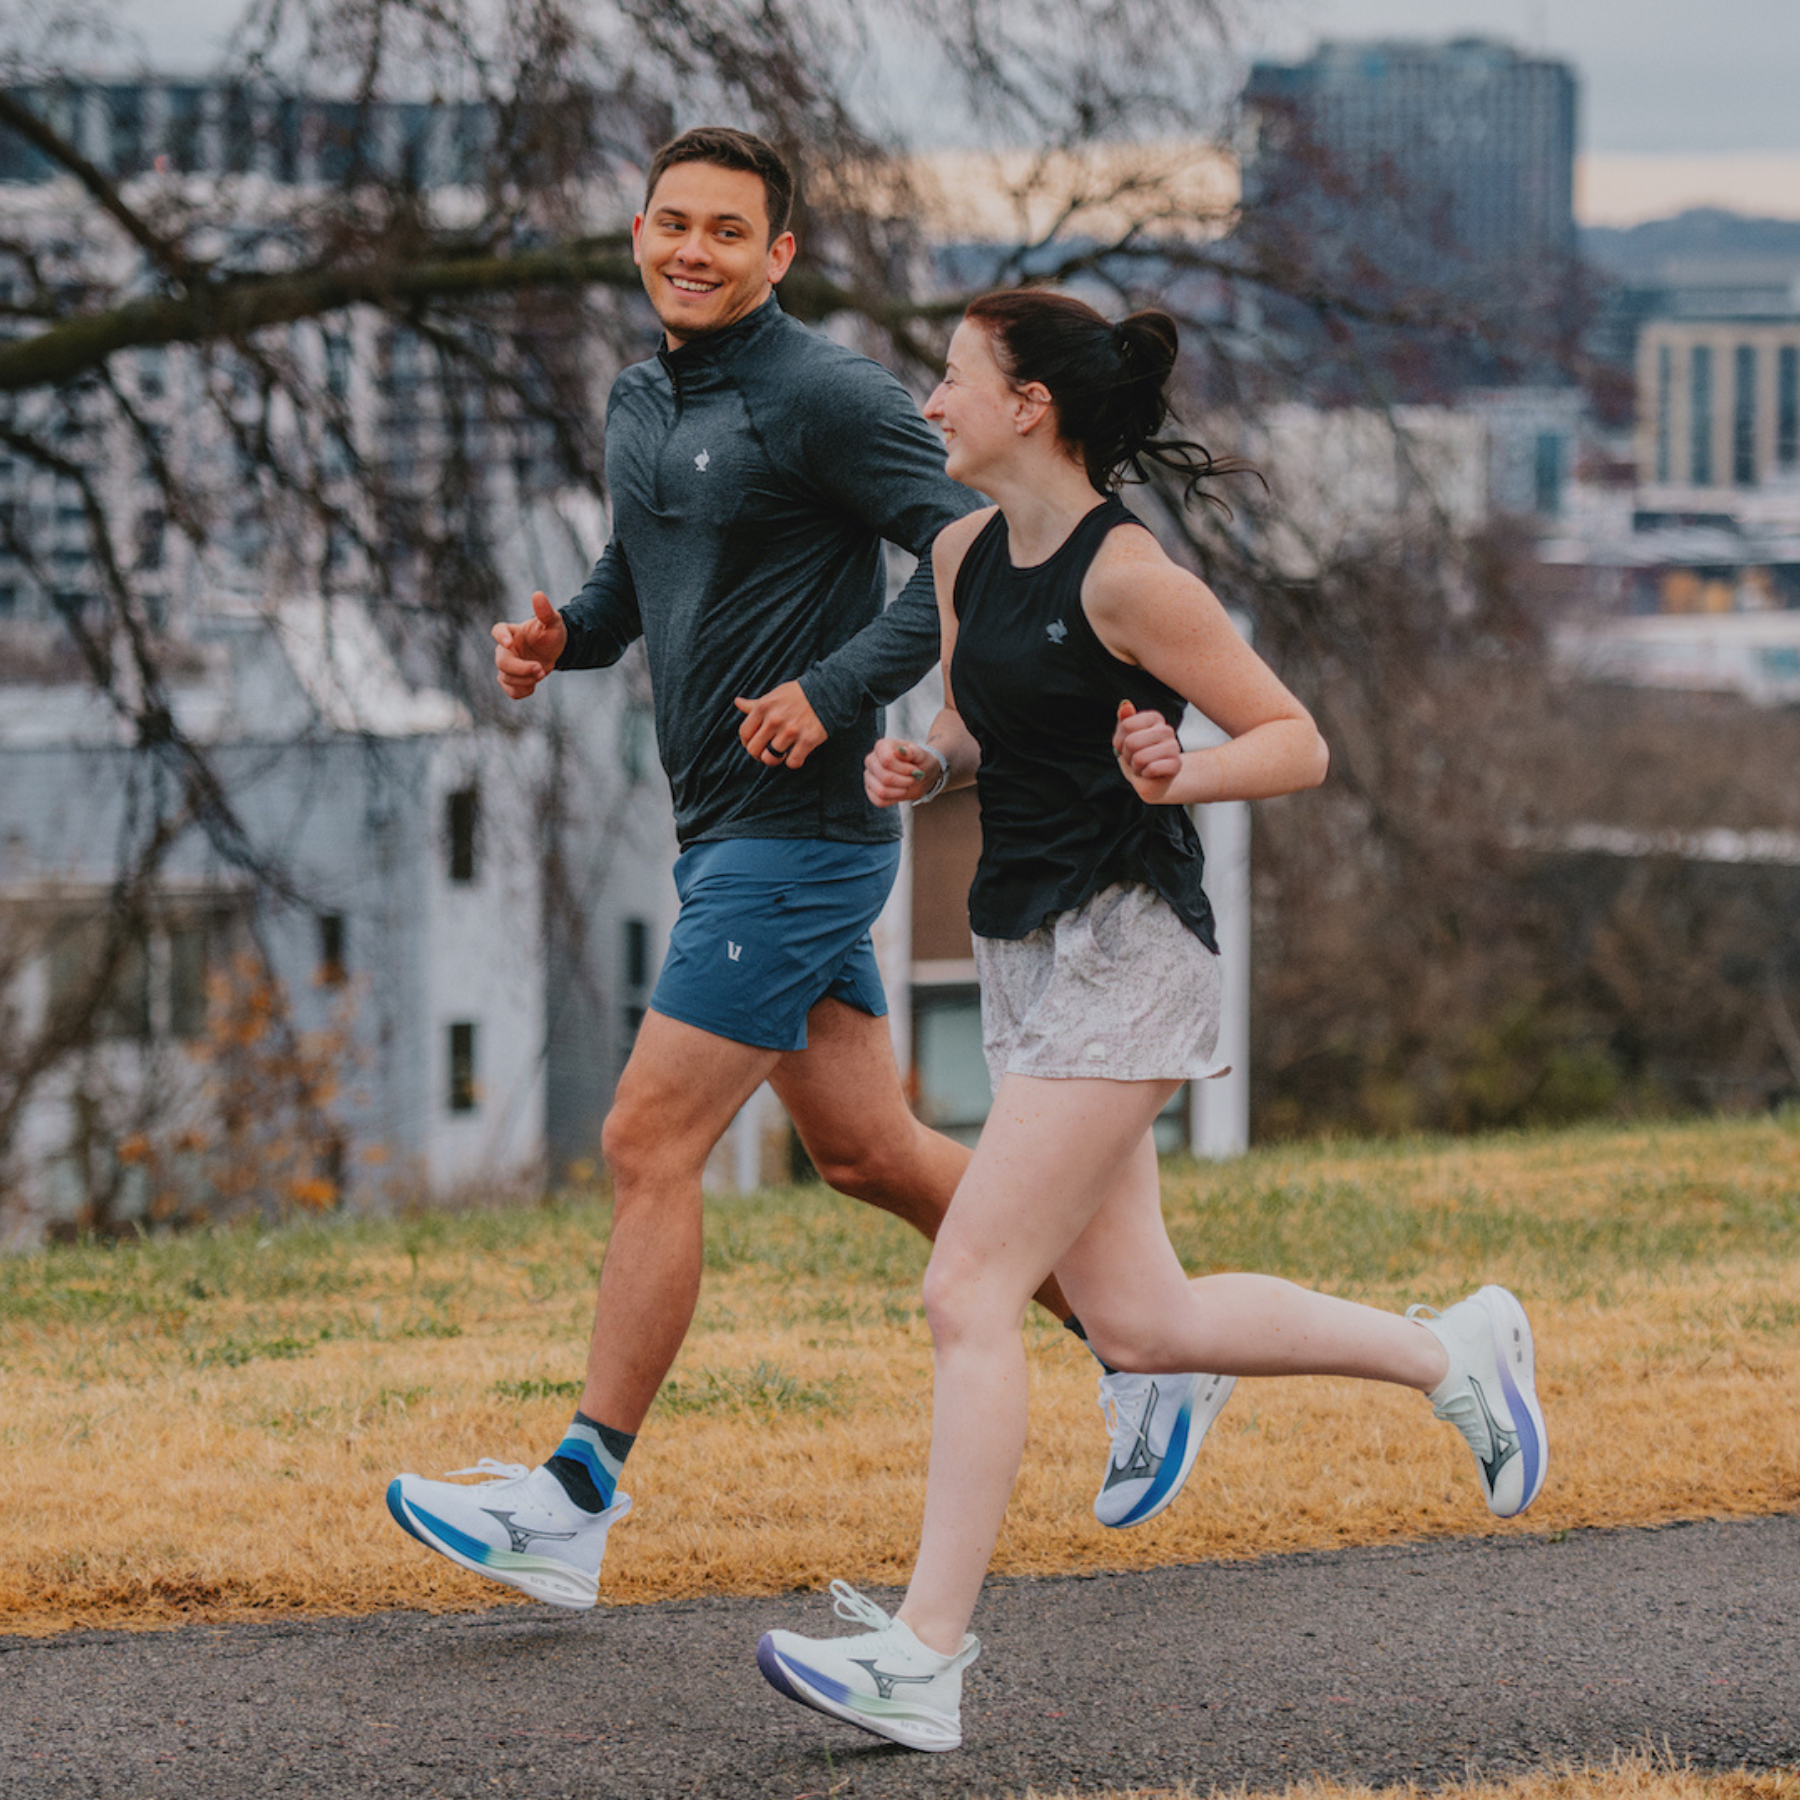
x: 589, y: 1461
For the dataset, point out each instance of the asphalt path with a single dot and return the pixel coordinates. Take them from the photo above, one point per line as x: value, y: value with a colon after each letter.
x: 1426, y: 1662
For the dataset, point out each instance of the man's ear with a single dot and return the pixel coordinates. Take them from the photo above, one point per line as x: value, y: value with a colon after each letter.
x: 781, y: 256
x: 637, y: 238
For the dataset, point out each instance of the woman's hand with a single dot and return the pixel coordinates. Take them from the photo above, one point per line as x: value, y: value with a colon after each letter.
x: 897, y: 769
x: 1149, y: 752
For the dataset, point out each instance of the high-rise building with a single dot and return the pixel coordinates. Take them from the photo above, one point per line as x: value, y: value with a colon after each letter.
x: 1407, y: 151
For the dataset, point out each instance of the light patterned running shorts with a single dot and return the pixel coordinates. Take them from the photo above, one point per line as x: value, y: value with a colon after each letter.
x: 1116, y: 988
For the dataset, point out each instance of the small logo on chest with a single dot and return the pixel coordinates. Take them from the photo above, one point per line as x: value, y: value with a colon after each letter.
x: 702, y: 460
x: 1056, y: 631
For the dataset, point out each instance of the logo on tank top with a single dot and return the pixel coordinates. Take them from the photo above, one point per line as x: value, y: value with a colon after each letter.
x: 1056, y: 631
x: 702, y: 460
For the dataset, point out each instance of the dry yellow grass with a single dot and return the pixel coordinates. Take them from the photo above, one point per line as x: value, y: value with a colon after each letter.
x: 1629, y: 1778
x: 205, y: 1429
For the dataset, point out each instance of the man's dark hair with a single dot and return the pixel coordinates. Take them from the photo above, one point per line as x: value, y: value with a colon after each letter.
x: 726, y: 148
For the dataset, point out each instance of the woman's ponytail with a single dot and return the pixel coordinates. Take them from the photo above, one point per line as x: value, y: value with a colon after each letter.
x: 1109, y: 383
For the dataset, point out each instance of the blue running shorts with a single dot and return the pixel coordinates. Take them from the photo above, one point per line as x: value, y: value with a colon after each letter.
x: 768, y: 928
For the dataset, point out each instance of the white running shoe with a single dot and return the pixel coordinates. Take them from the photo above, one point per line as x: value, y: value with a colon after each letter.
x: 518, y: 1526
x: 882, y: 1679
x: 1490, y: 1395
x: 1158, y: 1423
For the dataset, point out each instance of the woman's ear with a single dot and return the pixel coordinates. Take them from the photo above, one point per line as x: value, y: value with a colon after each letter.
x: 1032, y: 405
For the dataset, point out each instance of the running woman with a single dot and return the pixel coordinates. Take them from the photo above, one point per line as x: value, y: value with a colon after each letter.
x: 1071, y: 644
x: 755, y: 469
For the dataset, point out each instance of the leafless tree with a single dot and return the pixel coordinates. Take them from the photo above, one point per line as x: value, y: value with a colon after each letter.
x: 312, y: 267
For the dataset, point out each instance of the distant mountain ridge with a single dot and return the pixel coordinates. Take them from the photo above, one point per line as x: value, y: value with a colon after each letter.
x: 1702, y: 234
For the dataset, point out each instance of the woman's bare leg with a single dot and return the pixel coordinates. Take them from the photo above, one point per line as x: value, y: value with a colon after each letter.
x: 1049, y: 1157
x: 1065, y: 1176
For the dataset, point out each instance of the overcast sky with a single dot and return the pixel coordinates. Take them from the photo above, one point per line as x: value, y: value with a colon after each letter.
x: 1656, y: 75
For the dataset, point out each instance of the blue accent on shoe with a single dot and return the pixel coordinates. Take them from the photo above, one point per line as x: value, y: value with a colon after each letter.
x: 774, y: 1671
x: 397, y: 1507
x: 1173, y: 1466
x: 827, y: 1685
x: 1530, y: 1448
x: 471, y: 1547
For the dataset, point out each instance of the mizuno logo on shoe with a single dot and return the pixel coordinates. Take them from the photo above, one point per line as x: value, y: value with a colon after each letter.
x: 521, y: 1538
x: 884, y: 1682
x: 1143, y: 1463
x: 1504, y: 1445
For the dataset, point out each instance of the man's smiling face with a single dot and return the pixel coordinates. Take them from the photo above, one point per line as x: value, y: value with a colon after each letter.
x: 702, y: 246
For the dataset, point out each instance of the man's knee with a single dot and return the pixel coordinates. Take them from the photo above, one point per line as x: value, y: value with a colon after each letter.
x: 864, y: 1171
x: 639, y: 1147
x: 888, y: 1174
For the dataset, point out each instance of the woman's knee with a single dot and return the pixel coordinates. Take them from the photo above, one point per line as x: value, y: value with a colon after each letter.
x: 949, y: 1293
x: 967, y: 1302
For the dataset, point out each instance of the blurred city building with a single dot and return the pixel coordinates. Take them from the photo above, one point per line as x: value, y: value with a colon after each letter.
x: 1406, y: 151
x: 1684, y: 558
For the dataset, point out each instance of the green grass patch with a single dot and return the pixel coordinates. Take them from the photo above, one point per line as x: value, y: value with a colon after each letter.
x: 763, y: 1388
x: 1567, y: 1211
x: 536, y: 1388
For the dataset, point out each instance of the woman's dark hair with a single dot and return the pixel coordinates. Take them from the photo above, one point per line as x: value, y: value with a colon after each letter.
x: 727, y: 148
x: 1109, y: 383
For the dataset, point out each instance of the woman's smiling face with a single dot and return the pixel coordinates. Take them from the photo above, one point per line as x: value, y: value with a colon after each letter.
x: 976, y: 406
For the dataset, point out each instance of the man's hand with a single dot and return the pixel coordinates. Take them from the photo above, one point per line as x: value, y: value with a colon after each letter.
x: 780, y: 729
x: 526, y: 652
x: 1148, y: 750
x: 897, y: 770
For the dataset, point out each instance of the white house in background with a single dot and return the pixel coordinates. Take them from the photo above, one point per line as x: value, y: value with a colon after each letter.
x: 413, y: 932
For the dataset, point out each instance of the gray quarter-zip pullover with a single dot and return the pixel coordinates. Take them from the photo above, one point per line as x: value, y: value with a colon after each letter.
x: 754, y: 473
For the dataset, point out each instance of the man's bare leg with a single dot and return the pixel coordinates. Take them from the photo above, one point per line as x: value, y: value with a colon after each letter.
x: 843, y: 1093
x: 680, y: 1091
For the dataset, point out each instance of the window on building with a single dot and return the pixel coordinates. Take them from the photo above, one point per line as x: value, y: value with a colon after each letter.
x: 337, y: 363
x: 464, y: 1091
x: 123, y: 1009
x: 333, y: 964
x: 952, y: 1073
x: 462, y: 817
x: 637, y: 952
x: 637, y: 738
x: 1787, y: 406
x: 1743, y: 416
x: 152, y: 373
x: 1665, y: 400
x: 184, y: 125
x: 187, y: 981
x: 1700, y: 415
x: 152, y: 535
x: 1549, y: 460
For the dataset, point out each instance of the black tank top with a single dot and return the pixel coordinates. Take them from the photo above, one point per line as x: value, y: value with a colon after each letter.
x: 1059, y: 821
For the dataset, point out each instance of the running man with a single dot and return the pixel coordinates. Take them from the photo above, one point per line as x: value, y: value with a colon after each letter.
x: 755, y: 469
